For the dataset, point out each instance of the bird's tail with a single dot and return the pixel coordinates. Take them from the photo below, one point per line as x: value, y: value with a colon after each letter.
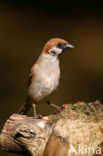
x: 25, y: 107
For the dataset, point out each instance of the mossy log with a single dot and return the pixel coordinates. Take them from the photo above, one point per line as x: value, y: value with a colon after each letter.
x: 76, y: 130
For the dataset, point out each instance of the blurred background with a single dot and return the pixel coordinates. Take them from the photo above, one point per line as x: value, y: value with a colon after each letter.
x: 25, y: 26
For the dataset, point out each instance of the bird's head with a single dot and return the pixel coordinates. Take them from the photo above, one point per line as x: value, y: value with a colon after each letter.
x: 56, y: 46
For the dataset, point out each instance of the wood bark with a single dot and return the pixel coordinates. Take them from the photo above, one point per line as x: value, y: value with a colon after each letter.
x: 76, y: 130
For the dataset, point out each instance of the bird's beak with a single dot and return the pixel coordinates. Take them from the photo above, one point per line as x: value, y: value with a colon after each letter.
x: 68, y: 46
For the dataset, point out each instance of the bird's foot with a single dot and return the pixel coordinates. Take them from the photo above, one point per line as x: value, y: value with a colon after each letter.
x: 58, y: 109
x: 39, y: 116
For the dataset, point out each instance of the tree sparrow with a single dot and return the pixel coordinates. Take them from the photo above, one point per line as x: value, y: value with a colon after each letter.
x: 44, y: 75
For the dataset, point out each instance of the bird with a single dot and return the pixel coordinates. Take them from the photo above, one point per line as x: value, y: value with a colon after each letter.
x: 44, y: 75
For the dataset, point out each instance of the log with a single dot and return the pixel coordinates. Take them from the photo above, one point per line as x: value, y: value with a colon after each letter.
x: 76, y: 130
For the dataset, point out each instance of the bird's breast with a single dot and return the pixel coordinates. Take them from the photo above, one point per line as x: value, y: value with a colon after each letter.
x: 45, y: 82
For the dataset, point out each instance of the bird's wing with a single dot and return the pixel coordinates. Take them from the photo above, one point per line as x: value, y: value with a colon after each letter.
x: 32, y: 74
x: 33, y: 71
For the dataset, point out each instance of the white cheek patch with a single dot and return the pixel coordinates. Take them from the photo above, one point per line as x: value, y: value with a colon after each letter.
x: 55, y: 49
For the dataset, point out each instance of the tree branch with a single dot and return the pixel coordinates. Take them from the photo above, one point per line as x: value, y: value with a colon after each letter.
x: 76, y: 127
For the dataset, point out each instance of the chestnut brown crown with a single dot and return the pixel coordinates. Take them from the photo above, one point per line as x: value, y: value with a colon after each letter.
x: 51, y: 43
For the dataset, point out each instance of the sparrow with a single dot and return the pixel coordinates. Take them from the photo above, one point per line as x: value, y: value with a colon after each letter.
x: 44, y: 75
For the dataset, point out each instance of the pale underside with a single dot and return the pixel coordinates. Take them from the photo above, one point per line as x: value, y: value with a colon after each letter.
x: 46, y: 74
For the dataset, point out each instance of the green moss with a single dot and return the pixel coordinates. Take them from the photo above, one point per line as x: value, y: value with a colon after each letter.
x: 85, y: 111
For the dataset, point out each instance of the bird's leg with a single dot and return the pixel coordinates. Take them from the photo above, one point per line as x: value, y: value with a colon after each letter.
x: 34, y: 107
x: 53, y: 105
x: 35, y: 114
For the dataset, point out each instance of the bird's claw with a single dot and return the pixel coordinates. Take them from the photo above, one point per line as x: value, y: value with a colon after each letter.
x: 59, y: 109
x: 39, y: 116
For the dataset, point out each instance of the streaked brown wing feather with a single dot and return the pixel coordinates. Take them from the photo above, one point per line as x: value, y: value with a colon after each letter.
x: 32, y: 74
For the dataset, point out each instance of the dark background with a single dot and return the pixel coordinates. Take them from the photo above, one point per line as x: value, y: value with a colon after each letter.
x: 25, y: 26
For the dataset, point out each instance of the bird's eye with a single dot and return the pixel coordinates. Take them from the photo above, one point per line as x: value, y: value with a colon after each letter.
x: 59, y: 45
